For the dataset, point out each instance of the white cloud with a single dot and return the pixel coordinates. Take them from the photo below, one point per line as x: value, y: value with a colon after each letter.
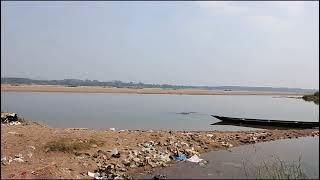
x: 263, y: 21
x: 221, y: 7
x: 292, y: 7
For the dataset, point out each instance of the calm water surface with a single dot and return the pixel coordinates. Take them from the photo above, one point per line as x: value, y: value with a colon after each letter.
x: 144, y: 111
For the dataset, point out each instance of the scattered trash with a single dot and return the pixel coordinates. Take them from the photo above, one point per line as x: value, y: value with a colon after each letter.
x: 226, y: 144
x: 194, y: 159
x: 159, y: 177
x: 115, y: 153
x: 112, y: 129
x: 11, y: 132
x: 18, y: 159
x: 210, y: 135
x: 15, y: 123
x: 7, y: 117
x: 179, y: 157
x: 94, y: 175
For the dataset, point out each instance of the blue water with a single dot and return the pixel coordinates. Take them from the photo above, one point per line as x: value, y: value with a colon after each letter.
x: 146, y: 111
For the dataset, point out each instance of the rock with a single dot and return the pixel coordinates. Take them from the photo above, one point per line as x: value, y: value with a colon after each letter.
x: 32, y: 147
x: 226, y: 144
x: 136, y: 159
x: 126, y: 162
x: 152, y: 164
x: 203, y: 163
x: 94, y: 145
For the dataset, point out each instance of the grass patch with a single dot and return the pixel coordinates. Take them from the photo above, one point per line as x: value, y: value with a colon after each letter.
x: 71, y: 145
x: 275, y: 169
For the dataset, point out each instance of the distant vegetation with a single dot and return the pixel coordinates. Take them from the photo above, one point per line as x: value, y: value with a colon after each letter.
x: 120, y: 84
x: 312, y: 97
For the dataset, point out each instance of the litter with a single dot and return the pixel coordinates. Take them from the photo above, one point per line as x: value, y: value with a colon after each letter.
x: 11, y: 132
x: 159, y: 177
x: 15, y: 123
x: 210, y: 135
x: 94, y: 175
x: 115, y: 153
x: 112, y: 129
x: 179, y: 157
x: 194, y: 159
x: 18, y: 159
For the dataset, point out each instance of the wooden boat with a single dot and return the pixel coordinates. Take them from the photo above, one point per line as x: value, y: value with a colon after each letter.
x: 263, y: 122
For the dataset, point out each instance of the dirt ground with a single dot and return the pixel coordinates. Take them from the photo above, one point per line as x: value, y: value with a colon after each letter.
x: 29, y: 142
x: 97, y: 89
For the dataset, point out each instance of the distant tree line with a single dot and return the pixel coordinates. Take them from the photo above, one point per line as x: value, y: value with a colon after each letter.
x: 312, y: 97
x: 120, y: 84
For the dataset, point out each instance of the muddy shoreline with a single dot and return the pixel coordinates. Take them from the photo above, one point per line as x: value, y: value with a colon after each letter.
x: 140, y: 151
x: 97, y: 89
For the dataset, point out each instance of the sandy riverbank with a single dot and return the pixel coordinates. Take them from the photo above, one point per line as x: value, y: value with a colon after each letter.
x: 96, y: 89
x: 140, y: 151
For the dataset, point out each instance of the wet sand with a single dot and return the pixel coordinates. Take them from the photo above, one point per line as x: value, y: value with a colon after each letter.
x: 98, y: 89
x: 29, y: 141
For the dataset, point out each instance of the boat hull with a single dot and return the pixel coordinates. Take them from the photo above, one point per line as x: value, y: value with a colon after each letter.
x: 262, y: 122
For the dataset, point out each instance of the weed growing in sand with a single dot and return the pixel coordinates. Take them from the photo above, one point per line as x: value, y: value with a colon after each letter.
x: 71, y: 145
x: 275, y: 169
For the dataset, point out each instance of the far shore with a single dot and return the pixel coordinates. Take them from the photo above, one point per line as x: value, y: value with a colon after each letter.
x: 99, y: 89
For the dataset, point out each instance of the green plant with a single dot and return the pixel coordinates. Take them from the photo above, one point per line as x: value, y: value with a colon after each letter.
x: 274, y: 169
x: 71, y: 145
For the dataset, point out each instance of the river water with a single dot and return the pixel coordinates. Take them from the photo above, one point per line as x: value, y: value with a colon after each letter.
x: 244, y: 162
x: 150, y: 111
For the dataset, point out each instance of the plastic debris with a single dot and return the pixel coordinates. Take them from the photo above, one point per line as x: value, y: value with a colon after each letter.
x: 226, y: 144
x: 159, y: 177
x: 112, y: 129
x: 210, y: 135
x: 12, y: 132
x: 94, y: 175
x: 115, y: 153
x: 15, y: 123
x: 179, y: 157
x: 18, y: 159
x: 194, y: 159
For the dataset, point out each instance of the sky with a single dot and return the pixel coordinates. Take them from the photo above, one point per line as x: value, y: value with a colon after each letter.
x: 213, y: 43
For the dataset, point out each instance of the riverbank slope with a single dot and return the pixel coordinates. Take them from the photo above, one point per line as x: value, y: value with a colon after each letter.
x: 32, y: 150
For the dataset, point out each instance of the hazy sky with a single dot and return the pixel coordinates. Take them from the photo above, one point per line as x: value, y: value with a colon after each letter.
x: 191, y: 43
